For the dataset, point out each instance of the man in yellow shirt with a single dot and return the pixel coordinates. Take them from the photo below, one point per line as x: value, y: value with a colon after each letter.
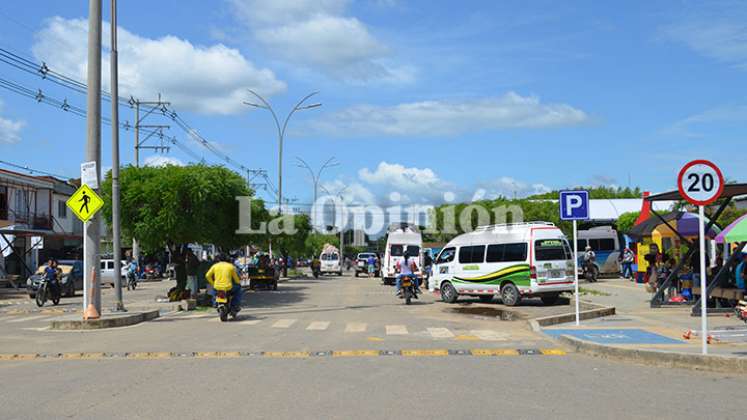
x: 222, y: 276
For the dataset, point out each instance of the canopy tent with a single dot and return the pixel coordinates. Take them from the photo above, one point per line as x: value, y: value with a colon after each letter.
x: 675, y: 223
x: 735, y: 232
x: 730, y: 191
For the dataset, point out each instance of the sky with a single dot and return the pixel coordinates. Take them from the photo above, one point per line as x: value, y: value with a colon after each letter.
x: 422, y: 102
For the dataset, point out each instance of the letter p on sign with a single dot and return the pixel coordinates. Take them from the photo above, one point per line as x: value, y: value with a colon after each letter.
x: 574, y: 205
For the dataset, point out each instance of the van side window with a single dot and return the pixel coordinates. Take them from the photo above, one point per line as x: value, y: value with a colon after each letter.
x: 472, y: 254
x: 506, y: 253
x: 605, y: 244
x: 581, y: 243
x: 397, y: 250
x: 446, y: 256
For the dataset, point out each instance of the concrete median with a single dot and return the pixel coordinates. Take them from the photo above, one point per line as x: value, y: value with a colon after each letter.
x: 108, y: 321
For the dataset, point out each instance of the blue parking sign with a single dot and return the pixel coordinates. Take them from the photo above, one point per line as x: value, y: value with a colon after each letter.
x: 574, y: 205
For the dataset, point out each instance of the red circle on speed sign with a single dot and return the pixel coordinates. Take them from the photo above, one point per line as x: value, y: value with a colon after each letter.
x: 700, y: 182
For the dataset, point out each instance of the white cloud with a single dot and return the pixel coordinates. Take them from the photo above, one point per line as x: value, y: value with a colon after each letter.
x: 509, y: 187
x: 162, y: 161
x: 396, y: 175
x: 724, y: 41
x: 316, y: 35
x: 443, y: 118
x: 692, y: 126
x: 10, y: 130
x: 208, y: 79
x: 352, y: 192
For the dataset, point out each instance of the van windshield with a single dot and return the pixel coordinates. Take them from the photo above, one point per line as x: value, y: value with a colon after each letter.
x: 329, y: 257
x: 551, y: 250
x: 397, y: 250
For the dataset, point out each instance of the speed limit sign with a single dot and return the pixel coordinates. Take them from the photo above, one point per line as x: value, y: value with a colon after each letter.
x: 700, y: 182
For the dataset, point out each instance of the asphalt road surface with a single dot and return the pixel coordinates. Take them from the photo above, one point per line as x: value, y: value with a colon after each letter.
x: 336, y: 348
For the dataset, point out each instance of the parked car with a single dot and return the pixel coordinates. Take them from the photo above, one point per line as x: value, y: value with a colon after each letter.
x: 71, y: 278
x: 107, y: 272
x: 361, y: 264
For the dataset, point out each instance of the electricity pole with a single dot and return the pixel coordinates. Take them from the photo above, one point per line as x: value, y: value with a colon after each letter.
x: 91, y: 235
x: 116, y: 236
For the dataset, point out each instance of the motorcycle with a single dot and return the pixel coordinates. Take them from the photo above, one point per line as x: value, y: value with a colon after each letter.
x: 409, y: 288
x: 316, y: 269
x: 47, y: 291
x: 131, y: 280
x: 223, y: 301
x: 152, y: 272
x: 591, y: 272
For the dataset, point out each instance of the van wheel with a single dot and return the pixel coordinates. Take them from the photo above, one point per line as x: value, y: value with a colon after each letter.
x: 449, y: 293
x: 510, y: 294
x: 486, y: 298
x: 550, y: 298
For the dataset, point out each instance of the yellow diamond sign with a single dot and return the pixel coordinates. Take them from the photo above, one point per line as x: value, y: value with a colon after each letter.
x: 85, y: 203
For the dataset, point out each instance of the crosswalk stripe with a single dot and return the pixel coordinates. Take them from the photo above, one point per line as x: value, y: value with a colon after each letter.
x: 249, y: 322
x: 489, y: 335
x: 355, y: 327
x: 29, y: 318
x: 318, y: 326
x: 284, y: 323
x: 192, y: 316
x: 440, y: 333
x: 396, y: 330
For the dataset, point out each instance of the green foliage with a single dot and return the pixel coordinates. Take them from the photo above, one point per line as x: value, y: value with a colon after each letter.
x: 291, y: 244
x: 597, y: 193
x: 170, y: 205
x: 315, y: 241
x: 626, y: 220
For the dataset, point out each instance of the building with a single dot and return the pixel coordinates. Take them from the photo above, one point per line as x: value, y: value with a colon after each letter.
x: 33, y: 211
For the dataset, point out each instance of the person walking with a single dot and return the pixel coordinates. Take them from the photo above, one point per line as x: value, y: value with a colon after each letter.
x: 193, y: 265
x: 628, y: 258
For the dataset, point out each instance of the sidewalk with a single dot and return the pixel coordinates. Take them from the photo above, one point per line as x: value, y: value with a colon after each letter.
x: 637, y: 326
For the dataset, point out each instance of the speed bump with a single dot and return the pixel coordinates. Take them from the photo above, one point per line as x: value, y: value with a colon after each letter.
x: 495, y: 352
x: 287, y: 354
x: 423, y: 353
x: 355, y: 353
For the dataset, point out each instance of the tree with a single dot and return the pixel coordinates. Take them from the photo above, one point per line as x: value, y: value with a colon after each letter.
x: 626, y: 221
x: 315, y: 242
x: 175, y: 205
x: 597, y: 193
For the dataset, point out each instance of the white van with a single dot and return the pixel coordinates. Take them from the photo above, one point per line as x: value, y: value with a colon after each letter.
x: 330, y: 261
x: 402, y: 239
x: 605, y: 243
x: 511, y: 260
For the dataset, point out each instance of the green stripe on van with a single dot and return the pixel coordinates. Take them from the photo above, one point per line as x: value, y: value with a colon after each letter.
x: 517, y: 274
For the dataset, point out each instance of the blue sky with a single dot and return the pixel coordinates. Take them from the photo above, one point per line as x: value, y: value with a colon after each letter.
x: 419, y: 97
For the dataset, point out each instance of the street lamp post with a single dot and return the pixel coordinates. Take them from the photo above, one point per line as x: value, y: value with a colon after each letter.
x: 281, y: 132
x: 342, y: 222
x: 316, y: 176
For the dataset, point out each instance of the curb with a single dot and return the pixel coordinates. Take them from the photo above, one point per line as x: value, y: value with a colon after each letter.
x: 600, y: 311
x: 103, y: 323
x: 711, y: 363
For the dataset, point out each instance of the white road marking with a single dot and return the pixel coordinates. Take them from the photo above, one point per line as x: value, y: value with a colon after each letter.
x: 318, y: 326
x: 284, y: 323
x: 440, y: 333
x: 29, y: 318
x: 355, y: 327
x: 396, y: 330
x: 489, y: 335
x: 192, y: 316
x: 249, y: 322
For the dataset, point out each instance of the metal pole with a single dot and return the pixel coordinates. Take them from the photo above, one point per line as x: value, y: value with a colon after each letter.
x: 575, y: 271
x: 116, y: 236
x: 93, y: 150
x: 703, y: 287
x: 280, y: 172
x: 135, y: 248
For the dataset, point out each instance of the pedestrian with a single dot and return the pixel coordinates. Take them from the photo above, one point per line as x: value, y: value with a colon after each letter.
x: 192, y: 266
x: 628, y: 258
x: 740, y: 274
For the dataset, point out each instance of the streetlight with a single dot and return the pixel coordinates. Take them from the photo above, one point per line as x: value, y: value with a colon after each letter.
x: 315, y: 176
x: 281, y: 132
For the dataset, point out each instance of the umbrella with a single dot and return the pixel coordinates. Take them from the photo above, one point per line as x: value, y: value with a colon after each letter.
x: 735, y: 232
x: 685, y: 223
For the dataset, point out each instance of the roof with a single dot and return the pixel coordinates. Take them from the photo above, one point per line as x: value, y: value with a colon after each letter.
x: 730, y: 191
x: 20, y: 178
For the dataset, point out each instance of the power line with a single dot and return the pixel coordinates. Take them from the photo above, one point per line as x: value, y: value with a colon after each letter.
x: 33, y: 171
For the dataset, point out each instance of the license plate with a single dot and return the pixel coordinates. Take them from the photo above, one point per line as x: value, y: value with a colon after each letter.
x: 406, y: 283
x: 556, y: 274
x: 221, y: 299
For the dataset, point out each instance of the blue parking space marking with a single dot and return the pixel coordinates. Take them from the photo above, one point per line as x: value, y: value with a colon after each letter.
x: 616, y: 336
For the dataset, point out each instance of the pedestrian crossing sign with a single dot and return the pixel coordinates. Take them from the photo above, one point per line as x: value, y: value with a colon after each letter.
x: 85, y: 203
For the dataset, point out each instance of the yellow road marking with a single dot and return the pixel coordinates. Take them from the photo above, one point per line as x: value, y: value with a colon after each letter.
x: 217, y: 354
x: 149, y: 355
x: 355, y: 353
x: 23, y: 356
x: 494, y: 352
x: 375, y: 339
x: 81, y: 356
x: 553, y: 352
x: 467, y: 338
x: 429, y: 352
x: 287, y: 354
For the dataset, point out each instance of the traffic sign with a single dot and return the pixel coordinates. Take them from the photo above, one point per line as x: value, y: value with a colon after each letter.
x: 700, y: 182
x: 85, y: 203
x: 574, y: 205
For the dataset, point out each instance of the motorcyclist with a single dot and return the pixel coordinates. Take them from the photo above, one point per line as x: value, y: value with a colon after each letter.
x: 222, y: 276
x: 589, y: 258
x: 407, y: 266
x: 51, y: 274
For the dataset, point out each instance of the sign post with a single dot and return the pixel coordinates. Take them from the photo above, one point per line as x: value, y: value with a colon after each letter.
x: 701, y: 182
x: 574, y: 206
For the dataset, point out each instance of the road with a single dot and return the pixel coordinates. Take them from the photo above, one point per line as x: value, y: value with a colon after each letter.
x: 336, y: 348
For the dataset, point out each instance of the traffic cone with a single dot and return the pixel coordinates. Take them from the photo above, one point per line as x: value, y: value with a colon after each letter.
x: 91, y: 312
x: 687, y: 335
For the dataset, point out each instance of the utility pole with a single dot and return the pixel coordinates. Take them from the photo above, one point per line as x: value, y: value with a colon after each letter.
x: 151, y: 106
x: 116, y: 235
x: 91, y: 235
x: 281, y: 132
